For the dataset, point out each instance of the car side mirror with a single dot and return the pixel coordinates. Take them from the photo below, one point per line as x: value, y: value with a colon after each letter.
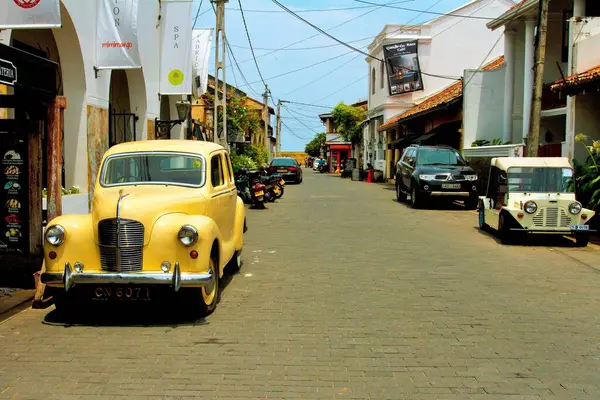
x: 501, y: 179
x: 467, y: 162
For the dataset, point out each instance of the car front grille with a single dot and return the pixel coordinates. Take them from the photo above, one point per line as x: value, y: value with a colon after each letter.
x: 552, y: 217
x: 121, y: 245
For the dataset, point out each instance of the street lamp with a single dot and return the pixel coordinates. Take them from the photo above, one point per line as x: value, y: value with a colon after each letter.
x: 163, y: 127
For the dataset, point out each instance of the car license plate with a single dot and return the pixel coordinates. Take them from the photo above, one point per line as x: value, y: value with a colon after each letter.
x: 580, y: 227
x: 282, y: 170
x: 450, y: 185
x: 121, y: 293
x: 261, y: 193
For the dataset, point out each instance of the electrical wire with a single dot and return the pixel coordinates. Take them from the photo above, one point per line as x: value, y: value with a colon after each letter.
x: 344, y: 87
x: 310, y: 105
x: 292, y: 131
x: 354, y: 48
x: 315, y: 10
x: 427, y: 11
x: 250, y: 43
x: 197, y: 14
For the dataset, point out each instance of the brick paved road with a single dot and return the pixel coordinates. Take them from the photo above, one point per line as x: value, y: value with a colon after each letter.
x: 344, y: 294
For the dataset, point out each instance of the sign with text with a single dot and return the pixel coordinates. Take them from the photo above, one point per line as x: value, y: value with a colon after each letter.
x: 117, y: 35
x: 201, y: 41
x: 404, y: 72
x: 8, y: 72
x: 176, y: 48
x: 30, y: 14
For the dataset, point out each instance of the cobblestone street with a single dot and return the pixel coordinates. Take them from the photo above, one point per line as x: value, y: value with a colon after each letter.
x: 344, y: 294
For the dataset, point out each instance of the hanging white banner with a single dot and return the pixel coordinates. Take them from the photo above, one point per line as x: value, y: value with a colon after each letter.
x: 201, y: 41
x: 30, y: 14
x: 176, y: 47
x: 117, y: 35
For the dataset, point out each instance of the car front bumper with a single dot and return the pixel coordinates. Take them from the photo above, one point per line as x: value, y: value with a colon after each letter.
x: 435, y: 189
x: 553, y: 231
x: 176, y: 278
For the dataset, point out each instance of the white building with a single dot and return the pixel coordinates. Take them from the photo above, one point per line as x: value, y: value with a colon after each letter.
x: 104, y: 107
x: 572, y: 49
x: 447, y: 45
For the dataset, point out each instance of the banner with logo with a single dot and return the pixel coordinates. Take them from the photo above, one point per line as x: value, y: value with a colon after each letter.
x: 30, y: 14
x: 176, y: 47
x: 404, y: 72
x: 201, y: 41
x: 117, y: 35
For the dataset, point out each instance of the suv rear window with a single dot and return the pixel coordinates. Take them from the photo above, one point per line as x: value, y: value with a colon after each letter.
x: 283, y: 162
x: 433, y: 156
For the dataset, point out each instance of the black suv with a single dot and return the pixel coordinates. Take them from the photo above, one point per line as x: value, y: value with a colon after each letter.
x: 435, y: 171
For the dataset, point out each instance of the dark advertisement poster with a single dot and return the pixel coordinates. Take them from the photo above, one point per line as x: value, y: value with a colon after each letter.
x: 14, y: 195
x: 404, y: 73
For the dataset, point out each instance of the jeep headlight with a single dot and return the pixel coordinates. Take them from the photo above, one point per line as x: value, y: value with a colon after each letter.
x: 427, y: 177
x: 55, y: 235
x: 471, y: 177
x: 530, y: 207
x: 188, y: 235
x: 575, y: 208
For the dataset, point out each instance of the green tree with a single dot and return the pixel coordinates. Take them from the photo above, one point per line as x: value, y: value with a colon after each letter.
x: 240, y: 118
x: 313, y: 148
x: 348, y: 120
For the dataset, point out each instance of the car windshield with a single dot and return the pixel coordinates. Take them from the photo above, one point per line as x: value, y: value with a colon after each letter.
x: 153, y: 168
x: 540, y: 180
x: 283, y: 162
x: 435, y: 156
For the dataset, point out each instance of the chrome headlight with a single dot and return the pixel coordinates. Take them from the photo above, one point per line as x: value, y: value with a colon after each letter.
x: 55, y: 235
x: 575, y: 208
x: 471, y: 177
x: 530, y: 207
x: 188, y: 235
x: 427, y: 177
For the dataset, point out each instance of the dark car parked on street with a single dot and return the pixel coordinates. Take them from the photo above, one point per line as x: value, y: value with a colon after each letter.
x: 424, y: 172
x: 288, y: 167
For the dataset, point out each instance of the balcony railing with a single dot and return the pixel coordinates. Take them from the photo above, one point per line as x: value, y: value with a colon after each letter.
x: 552, y: 100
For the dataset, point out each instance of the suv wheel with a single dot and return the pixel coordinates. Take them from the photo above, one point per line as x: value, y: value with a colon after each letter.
x: 415, y: 198
x: 400, y: 196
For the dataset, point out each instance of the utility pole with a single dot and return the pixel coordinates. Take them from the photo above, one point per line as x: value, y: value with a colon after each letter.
x: 220, y: 48
x: 266, y: 116
x: 533, y: 139
x: 278, y: 127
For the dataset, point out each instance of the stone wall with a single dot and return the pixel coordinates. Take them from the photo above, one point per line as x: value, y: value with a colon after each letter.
x: 97, y: 135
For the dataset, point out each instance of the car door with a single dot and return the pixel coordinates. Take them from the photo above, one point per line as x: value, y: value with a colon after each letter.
x: 220, y: 202
x: 407, y: 167
x: 232, y: 191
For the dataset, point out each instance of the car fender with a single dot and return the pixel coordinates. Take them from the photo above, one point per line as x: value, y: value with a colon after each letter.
x: 240, y: 220
x: 79, y: 243
x: 164, y: 244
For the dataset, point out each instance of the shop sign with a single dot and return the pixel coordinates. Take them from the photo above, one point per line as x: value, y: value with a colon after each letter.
x: 8, y: 72
x: 30, y: 14
x: 201, y: 40
x: 176, y: 48
x: 404, y: 71
x: 14, y: 197
x: 117, y: 35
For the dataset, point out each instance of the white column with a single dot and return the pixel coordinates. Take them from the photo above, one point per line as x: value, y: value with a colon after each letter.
x: 574, y: 29
x: 509, y: 84
x: 528, y: 77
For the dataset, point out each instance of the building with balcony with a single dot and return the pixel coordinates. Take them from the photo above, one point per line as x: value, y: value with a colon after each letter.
x: 446, y: 46
x: 568, y: 108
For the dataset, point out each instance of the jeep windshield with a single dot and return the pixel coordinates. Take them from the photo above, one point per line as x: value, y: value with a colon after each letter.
x: 153, y: 169
x: 436, y: 156
x: 540, y: 180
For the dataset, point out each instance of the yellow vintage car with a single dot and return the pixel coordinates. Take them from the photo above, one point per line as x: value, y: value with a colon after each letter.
x: 165, y: 219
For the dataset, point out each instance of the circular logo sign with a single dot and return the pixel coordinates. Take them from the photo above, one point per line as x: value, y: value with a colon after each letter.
x: 176, y: 77
x: 27, y: 3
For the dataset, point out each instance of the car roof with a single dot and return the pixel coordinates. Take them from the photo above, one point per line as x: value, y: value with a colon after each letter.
x: 283, y: 158
x: 183, y: 146
x: 504, y: 163
x: 439, y: 146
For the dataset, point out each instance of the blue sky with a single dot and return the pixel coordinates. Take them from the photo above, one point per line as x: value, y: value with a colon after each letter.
x: 343, y: 78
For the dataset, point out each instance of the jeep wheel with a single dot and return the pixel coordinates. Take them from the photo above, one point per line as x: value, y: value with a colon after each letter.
x: 504, y: 230
x: 471, y: 203
x: 582, y: 240
x: 482, y: 225
x: 400, y: 196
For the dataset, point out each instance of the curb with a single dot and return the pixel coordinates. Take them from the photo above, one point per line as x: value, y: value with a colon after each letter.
x: 16, y: 303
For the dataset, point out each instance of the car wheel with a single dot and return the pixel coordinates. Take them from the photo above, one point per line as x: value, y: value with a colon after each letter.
x: 400, y: 196
x: 582, y: 240
x: 482, y: 225
x: 415, y: 199
x: 204, y: 300
x: 506, y: 236
x: 235, y: 264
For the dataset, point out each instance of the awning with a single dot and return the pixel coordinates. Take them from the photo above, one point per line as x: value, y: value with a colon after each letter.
x: 588, y: 81
x: 406, y: 141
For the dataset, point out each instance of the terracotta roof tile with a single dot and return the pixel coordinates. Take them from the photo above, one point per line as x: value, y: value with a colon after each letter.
x: 574, y: 80
x: 446, y: 95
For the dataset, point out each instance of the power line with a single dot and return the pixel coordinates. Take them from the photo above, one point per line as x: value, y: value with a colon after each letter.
x: 314, y: 10
x: 352, y: 47
x: 292, y: 131
x: 197, y: 14
x: 305, y: 48
x: 304, y: 115
x: 310, y: 105
x: 427, y: 11
x: 344, y: 87
x: 296, y: 118
x: 250, y: 43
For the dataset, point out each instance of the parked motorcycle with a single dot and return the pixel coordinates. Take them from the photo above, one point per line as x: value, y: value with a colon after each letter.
x: 251, y: 188
x: 323, y: 167
x: 273, y: 190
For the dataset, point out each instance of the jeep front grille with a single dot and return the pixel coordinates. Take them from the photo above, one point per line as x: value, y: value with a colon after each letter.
x: 121, y: 245
x: 552, y: 217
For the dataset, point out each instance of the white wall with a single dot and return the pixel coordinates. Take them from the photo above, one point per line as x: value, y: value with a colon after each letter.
x: 483, y: 102
x: 587, y: 121
x: 587, y: 46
